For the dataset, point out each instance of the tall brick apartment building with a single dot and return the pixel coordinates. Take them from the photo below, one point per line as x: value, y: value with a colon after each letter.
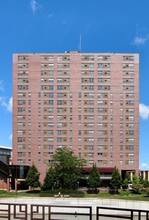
x: 86, y: 101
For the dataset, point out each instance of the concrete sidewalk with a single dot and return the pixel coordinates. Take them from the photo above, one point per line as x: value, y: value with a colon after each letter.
x: 93, y: 202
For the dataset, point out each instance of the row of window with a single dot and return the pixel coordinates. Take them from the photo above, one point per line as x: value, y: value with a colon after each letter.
x: 85, y: 132
x: 65, y: 102
x: 88, y: 140
x: 85, y: 147
x: 67, y: 57
x: 102, y: 95
x: 67, y: 80
x: 64, y: 118
x: 100, y: 155
x: 103, y: 65
x: 89, y: 162
x: 66, y: 73
x: 86, y: 125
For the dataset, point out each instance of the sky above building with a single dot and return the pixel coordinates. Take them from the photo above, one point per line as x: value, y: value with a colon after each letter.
x: 116, y: 26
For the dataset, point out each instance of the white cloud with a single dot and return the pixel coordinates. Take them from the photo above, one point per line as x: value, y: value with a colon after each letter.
x: 34, y: 6
x: 144, y: 166
x: 9, y: 106
x: 139, y: 41
x: 144, y: 111
x: 5, y: 104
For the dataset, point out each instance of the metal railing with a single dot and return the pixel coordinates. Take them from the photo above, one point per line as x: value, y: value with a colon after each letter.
x: 39, y: 211
x: 12, y: 211
x: 121, y: 213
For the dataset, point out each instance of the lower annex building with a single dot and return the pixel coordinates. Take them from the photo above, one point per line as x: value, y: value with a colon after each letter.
x: 86, y: 101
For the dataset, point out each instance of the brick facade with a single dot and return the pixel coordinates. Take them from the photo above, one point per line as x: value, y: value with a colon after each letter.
x: 86, y: 101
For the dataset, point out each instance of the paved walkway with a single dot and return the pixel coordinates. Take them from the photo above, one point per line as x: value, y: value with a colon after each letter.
x: 94, y: 202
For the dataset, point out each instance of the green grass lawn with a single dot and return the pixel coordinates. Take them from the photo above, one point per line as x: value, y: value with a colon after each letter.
x: 127, y: 195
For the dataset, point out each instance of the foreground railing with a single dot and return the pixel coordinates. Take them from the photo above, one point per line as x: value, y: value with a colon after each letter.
x: 52, y: 211
x: 120, y: 213
x: 12, y: 211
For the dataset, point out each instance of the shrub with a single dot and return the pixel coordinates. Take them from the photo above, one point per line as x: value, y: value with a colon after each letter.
x: 137, y: 188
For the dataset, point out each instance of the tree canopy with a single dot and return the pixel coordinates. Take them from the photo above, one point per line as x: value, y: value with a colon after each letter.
x: 116, y: 180
x: 94, y: 178
x: 32, y: 178
x: 67, y: 170
x: 51, y: 179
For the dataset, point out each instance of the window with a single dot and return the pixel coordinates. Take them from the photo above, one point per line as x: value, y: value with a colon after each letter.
x: 20, y: 132
x: 22, y: 80
x: 130, y: 147
x: 24, y: 87
x: 22, y: 65
x: 121, y: 162
x: 90, y: 147
x: 106, y: 87
x: 130, y: 155
x: 131, y: 125
x: 21, y: 146
x: 47, y: 65
x: 111, y: 147
x: 104, y: 57
x: 128, y: 58
x: 91, y: 132
x: 121, y: 148
x: 130, y: 162
x: 23, y: 58
x: 130, y: 132
x: 131, y: 88
x: 130, y: 140
x: 102, y: 147
x: 128, y: 73
x: 121, y: 155
x: 21, y: 95
x: 129, y: 102
x: 47, y: 57
x: 23, y: 73
x: 130, y: 118
x: 79, y: 132
x: 103, y: 65
x: 50, y: 87
x: 128, y: 80
x: 102, y: 139
x: 91, y: 87
x: 47, y: 73
x: 130, y: 110
x: 128, y: 66
x: 91, y: 139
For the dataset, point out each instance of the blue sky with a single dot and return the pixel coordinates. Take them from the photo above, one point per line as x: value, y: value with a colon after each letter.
x: 56, y: 26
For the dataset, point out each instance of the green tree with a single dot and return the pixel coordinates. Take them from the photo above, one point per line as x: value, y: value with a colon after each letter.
x: 50, y: 181
x: 116, y: 180
x: 137, y: 188
x: 145, y: 183
x: 67, y: 167
x: 94, y: 179
x: 135, y: 179
x: 32, y: 178
x: 147, y: 190
x: 126, y: 181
